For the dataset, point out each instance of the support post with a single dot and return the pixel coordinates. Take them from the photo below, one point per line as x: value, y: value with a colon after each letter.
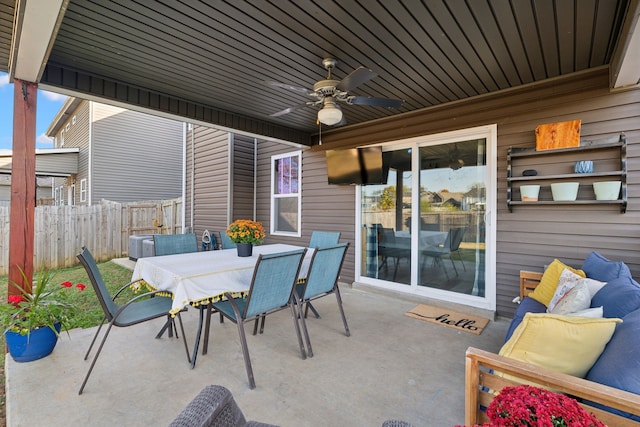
x: 23, y: 186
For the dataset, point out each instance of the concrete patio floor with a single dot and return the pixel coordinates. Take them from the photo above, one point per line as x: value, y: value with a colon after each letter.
x: 392, y: 366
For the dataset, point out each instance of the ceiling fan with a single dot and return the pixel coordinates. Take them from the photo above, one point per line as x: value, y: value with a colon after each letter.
x: 330, y: 93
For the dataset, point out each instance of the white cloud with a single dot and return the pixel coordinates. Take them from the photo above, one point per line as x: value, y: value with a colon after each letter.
x: 4, y: 79
x: 44, y: 139
x: 54, y: 96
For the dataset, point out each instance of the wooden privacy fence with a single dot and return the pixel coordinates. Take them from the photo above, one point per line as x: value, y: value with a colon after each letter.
x: 61, y: 231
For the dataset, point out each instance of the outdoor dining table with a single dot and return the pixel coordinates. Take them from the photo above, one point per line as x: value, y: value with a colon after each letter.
x: 199, y: 278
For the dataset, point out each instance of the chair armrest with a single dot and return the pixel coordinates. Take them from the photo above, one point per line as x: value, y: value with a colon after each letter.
x: 481, y: 379
x: 528, y: 282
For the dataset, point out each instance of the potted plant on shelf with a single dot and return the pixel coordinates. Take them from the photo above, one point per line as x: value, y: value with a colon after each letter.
x: 33, y: 320
x: 245, y: 233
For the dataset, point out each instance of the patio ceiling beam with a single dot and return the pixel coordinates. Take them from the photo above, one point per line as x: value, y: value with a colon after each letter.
x: 625, y: 66
x: 36, y: 26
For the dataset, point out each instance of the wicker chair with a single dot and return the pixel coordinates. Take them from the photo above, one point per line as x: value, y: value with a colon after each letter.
x: 214, y: 406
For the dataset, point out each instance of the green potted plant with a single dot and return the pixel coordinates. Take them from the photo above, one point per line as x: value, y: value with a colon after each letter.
x: 245, y: 233
x: 33, y: 320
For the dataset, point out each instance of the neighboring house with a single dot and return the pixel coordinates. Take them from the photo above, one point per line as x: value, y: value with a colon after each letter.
x: 43, y: 189
x: 124, y: 155
x: 230, y: 176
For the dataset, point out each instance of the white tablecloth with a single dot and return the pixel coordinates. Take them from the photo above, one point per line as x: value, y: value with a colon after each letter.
x: 197, y: 277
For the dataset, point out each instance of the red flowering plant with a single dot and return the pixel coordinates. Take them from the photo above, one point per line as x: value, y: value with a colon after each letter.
x: 45, y: 306
x: 530, y: 406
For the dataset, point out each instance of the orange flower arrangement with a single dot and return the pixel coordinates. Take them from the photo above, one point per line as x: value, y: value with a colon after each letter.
x: 246, y: 231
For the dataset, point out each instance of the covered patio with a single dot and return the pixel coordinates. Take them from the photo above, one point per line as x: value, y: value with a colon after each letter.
x: 392, y: 366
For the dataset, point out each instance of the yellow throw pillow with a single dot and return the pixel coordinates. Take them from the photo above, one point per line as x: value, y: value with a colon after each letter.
x: 565, y: 344
x: 549, y: 282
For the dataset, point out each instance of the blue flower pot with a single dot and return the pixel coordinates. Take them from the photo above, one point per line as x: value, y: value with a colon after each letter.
x: 38, y: 344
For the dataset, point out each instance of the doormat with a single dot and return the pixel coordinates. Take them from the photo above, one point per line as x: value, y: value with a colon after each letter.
x: 450, y: 318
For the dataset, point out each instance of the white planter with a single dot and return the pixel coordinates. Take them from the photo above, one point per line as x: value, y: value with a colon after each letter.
x: 607, y: 190
x: 564, y: 191
x: 529, y: 193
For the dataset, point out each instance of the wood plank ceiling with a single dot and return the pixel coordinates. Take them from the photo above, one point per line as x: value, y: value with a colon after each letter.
x: 209, y: 60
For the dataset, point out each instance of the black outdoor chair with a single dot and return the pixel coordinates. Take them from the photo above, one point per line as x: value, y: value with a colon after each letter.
x: 143, y: 307
x: 272, y: 288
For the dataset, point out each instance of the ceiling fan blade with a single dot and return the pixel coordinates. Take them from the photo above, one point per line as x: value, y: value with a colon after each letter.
x: 376, y: 102
x: 291, y: 109
x: 355, y: 79
x: 289, y: 87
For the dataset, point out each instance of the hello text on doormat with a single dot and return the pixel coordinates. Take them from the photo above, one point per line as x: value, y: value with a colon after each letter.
x: 446, y: 317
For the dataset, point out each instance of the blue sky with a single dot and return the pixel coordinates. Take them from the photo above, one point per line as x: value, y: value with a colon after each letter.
x: 48, y: 105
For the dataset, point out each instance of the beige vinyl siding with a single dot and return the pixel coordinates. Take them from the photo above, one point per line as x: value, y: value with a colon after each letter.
x: 210, y: 180
x: 77, y: 136
x: 135, y: 156
x: 532, y: 236
x: 324, y: 207
x: 243, y: 177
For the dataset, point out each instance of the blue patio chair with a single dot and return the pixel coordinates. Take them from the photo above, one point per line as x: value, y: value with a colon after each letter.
x: 323, y: 238
x: 322, y: 280
x: 139, y: 309
x: 450, y: 245
x: 272, y: 288
x: 169, y: 244
x: 225, y: 241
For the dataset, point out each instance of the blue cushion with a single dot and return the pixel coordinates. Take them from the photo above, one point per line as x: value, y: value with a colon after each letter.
x: 619, y: 365
x: 527, y: 305
x: 600, y: 268
x: 618, y: 297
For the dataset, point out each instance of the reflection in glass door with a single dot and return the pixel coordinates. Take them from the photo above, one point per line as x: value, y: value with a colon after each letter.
x: 451, y: 215
x: 428, y: 231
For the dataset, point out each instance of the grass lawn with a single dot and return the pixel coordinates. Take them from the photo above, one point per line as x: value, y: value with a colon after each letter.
x: 89, y: 313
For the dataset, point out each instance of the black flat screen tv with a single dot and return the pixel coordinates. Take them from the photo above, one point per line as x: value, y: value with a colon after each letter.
x: 360, y: 166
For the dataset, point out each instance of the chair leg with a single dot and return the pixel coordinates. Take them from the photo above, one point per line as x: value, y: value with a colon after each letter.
x: 198, y: 334
x: 245, y: 352
x: 95, y: 358
x: 93, y: 341
x: 310, y: 306
x: 184, y: 338
x: 454, y: 265
x: 294, y: 315
x: 344, y: 318
x: 461, y: 261
x: 167, y: 326
x: 305, y: 331
x: 207, y: 327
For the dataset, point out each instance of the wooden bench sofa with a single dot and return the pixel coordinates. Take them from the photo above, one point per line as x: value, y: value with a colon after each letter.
x: 483, y: 380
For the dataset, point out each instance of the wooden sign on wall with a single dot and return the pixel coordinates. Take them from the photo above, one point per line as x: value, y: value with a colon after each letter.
x: 558, y: 135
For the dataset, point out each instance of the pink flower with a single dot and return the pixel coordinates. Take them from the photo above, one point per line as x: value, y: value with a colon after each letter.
x: 66, y: 284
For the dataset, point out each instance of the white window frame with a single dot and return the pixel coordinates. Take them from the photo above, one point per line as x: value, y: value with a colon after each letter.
x: 61, y: 195
x: 297, y: 195
x: 83, y: 190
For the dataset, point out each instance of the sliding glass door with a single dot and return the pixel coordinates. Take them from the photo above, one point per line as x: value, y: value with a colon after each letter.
x: 425, y: 229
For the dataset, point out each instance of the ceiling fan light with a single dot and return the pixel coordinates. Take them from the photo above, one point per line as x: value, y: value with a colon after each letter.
x: 330, y: 114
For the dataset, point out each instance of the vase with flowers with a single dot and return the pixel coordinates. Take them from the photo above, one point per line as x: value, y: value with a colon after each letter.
x: 33, y: 320
x: 245, y: 233
x: 525, y: 405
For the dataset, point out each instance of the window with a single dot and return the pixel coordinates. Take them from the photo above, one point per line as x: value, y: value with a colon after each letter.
x: 61, y: 201
x: 285, y: 194
x: 73, y: 120
x: 72, y: 194
x: 83, y: 190
x: 67, y: 127
x: 62, y: 138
